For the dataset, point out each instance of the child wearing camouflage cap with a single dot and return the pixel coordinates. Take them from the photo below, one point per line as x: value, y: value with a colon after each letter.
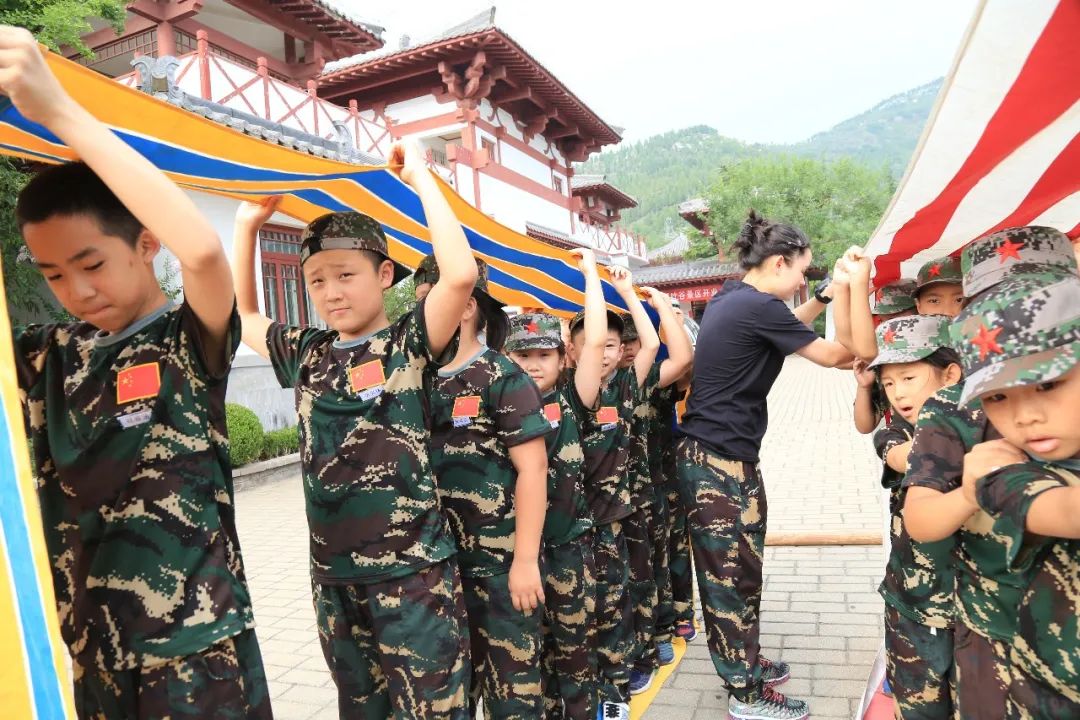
x: 377, y: 530
x: 535, y: 344
x: 125, y: 412
x: 1020, y: 343
x: 939, y: 287
x: 988, y: 585
x: 488, y: 452
x: 914, y: 361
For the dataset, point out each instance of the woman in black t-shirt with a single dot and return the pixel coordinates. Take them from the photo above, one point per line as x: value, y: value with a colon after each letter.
x: 746, y: 332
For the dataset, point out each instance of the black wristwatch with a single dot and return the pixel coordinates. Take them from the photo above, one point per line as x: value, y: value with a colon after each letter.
x: 822, y: 287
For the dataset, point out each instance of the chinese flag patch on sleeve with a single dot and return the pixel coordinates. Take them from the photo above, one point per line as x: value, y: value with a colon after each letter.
x: 466, y: 407
x: 553, y: 412
x: 607, y: 415
x: 138, y: 382
x: 368, y: 375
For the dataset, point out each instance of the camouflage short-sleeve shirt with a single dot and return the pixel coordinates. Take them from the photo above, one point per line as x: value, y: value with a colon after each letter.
x: 919, y: 577
x: 641, y: 492
x: 1047, y: 639
x: 568, y: 513
x: 130, y: 453
x: 988, y: 584
x: 478, y: 412
x: 606, y: 439
x: 660, y: 431
x: 363, y: 411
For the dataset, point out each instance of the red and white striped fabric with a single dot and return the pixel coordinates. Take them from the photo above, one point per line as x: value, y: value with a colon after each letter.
x: 1002, y: 145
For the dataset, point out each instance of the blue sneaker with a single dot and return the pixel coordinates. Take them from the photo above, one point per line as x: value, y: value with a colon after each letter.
x: 641, y: 681
x: 665, y: 653
x: 686, y: 631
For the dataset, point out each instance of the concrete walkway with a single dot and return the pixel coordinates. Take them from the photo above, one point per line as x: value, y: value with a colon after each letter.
x: 820, y: 611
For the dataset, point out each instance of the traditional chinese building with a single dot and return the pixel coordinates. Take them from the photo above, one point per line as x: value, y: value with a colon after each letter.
x: 496, y: 124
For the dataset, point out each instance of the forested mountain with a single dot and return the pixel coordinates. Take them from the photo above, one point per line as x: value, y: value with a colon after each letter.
x: 663, y: 170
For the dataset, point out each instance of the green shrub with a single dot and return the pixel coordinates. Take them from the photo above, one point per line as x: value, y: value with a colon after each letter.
x: 280, y: 442
x: 245, y: 434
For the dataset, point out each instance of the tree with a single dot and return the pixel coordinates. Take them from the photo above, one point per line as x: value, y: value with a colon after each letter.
x: 55, y: 23
x: 400, y: 299
x: 837, y: 204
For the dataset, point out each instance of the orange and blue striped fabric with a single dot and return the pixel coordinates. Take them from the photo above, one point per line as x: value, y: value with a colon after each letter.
x: 206, y: 156
x: 34, y: 681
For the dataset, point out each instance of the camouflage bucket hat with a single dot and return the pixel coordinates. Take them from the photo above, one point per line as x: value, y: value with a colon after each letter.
x: 894, y: 297
x: 534, y: 331
x: 910, y: 339
x: 1023, y: 331
x: 942, y: 271
x: 629, y: 331
x: 1015, y: 251
x: 614, y: 321
x: 428, y: 272
x: 347, y: 231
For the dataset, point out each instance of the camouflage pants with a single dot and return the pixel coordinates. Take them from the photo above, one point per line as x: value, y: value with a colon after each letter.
x: 569, y: 659
x: 506, y: 646
x: 639, y: 533
x: 399, y: 648
x: 614, y: 613
x: 919, y: 667
x: 665, y: 609
x: 1031, y: 699
x: 726, y: 511
x: 223, y: 682
x: 680, y: 570
x: 983, y: 674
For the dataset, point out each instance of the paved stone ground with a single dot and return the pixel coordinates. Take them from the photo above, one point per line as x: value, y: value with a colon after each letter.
x: 820, y: 609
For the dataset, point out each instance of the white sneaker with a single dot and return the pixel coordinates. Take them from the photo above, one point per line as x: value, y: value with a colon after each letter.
x: 770, y: 706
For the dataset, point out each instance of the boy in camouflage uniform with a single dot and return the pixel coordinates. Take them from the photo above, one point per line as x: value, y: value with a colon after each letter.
x: 125, y: 410
x: 646, y: 528
x: 1021, y: 346
x: 535, y: 344
x: 606, y: 440
x: 914, y: 362
x: 939, y: 288
x: 490, y: 463
x: 890, y: 301
x: 386, y: 587
x: 988, y: 584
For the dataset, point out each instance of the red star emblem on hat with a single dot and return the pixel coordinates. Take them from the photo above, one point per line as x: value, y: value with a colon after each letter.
x: 935, y: 271
x: 1009, y: 250
x: 532, y: 327
x: 987, y: 342
x: 890, y: 336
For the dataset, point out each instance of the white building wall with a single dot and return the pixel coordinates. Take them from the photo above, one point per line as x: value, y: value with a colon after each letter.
x: 513, y: 207
x: 419, y: 108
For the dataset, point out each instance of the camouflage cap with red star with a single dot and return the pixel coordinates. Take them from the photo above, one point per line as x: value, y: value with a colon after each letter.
x: 1015, y: 251
x: 941, y: 271
x: 534, y: 331
x: 1023, y: 331
x: 910, y: 339
x: 894, y: 297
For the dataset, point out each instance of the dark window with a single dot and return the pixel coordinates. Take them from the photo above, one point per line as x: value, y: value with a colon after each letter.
x: 284, y: 293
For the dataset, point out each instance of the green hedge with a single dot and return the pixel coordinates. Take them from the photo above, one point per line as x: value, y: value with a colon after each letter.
x: 280, y: 442
x: 245, y: 434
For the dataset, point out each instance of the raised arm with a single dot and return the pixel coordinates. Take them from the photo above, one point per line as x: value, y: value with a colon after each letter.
x: 863, y: 339
x: 249, y: 218
x: 162, y: 207
x: 680, y: 351
x: 446, y: 302
x: 590, y: 355
x: 623, y: 281
x: 866, y: 416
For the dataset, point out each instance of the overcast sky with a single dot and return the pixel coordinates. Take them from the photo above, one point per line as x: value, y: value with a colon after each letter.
x: 757, y: 70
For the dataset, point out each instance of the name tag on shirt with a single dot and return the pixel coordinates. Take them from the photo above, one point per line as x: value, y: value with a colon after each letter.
x: 608, y: 417
x: 367, y: 380
x: 553, y: 413
x: 134, y: 419
x: 465, y: 409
